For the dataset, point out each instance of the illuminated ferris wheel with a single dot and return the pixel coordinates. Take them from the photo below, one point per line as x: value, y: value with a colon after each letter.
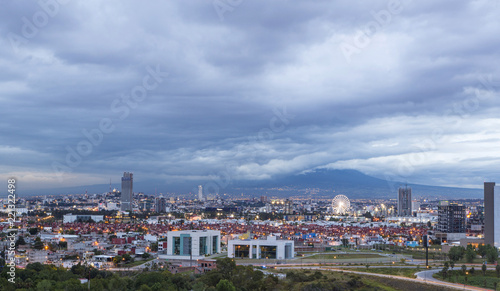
x: 340, y: 204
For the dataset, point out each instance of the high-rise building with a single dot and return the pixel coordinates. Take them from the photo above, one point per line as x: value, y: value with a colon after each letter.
x: 475, y: 219
x: 404, y: 201
x: 160, y: 205
x: 288, y: 206
x: 451, y: 218
x: 127, y: 191
x: 200, y: 192
x: 491, y: 217
x: 415, y: 206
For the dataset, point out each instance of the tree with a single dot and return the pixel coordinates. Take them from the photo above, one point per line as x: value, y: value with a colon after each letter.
x: 470, y: 255
x: 63, y: 244
x: 497, y: 268
x: 482, y: 250
x: 225, y: 285
x: 127, y: 257
x: 52, y: 247
x: 78, y: 269
x: 38, y: 244
x: 464, y: 269
x: 456, y: 253
x: 445, y: 269
x: 483, y: 268
x: 226, y: 267
x: 33, y: 230
x: 452, y: 264
x: 20, y: 241
x: 44, y: 285
x: 491, y: 254
x: 117, y: 260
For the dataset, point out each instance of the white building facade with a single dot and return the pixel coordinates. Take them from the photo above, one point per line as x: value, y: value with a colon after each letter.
x: 193, y: 243
x: 269, y: 248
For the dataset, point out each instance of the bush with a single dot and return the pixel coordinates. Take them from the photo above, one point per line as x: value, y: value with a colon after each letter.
x: 355, y: 282
x: 225, y: 285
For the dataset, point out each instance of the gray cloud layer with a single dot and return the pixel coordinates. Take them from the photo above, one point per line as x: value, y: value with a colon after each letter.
x: 402, y: 90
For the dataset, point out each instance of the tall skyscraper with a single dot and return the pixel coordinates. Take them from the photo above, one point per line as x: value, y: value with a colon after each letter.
x: 451, y: 218
x: 200, y: 192
x: 160, y: 205
x: 491, y: 217
x: 404, y: 201
x: 127, y: 191
x: 288, y: 206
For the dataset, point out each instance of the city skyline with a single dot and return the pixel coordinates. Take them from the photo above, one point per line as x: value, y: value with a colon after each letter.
x: 188, y: 92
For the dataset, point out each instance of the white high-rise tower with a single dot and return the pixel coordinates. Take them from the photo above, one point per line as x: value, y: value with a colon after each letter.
x: 200, y: 193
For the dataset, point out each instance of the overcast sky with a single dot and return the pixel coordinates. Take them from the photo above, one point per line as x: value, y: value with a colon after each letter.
x: 175, y: 90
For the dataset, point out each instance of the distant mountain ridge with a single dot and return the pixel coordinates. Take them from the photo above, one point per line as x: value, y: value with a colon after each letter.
x: 358, y: 185
x: 321, y: 182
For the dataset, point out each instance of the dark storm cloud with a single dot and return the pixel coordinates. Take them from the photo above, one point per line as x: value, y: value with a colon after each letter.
x: 416, y: 101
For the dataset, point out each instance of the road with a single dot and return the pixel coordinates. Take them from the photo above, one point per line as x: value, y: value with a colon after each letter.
x: 422, y: 277
x: 427, y: 277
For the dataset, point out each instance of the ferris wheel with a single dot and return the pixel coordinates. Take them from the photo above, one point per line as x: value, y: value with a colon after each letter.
x: 340, y: 204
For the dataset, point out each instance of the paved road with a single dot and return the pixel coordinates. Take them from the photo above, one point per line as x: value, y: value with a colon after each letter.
x: 425, y: 277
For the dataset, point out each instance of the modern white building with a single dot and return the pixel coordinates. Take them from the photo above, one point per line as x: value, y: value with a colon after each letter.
x: 200, y: 193
x: 269, y: 248
x: 185, y: 244
x: 70, y: 218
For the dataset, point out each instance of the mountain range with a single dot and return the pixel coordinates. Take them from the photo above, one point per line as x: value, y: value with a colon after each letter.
x: 324, y: 183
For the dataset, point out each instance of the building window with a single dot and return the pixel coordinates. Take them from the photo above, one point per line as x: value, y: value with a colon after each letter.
x: 186, y: 246
x: 241, y: 251
x: 214, y: 244
x: 177, y: 245
x: 203, y: 245
x: 268, y: 252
